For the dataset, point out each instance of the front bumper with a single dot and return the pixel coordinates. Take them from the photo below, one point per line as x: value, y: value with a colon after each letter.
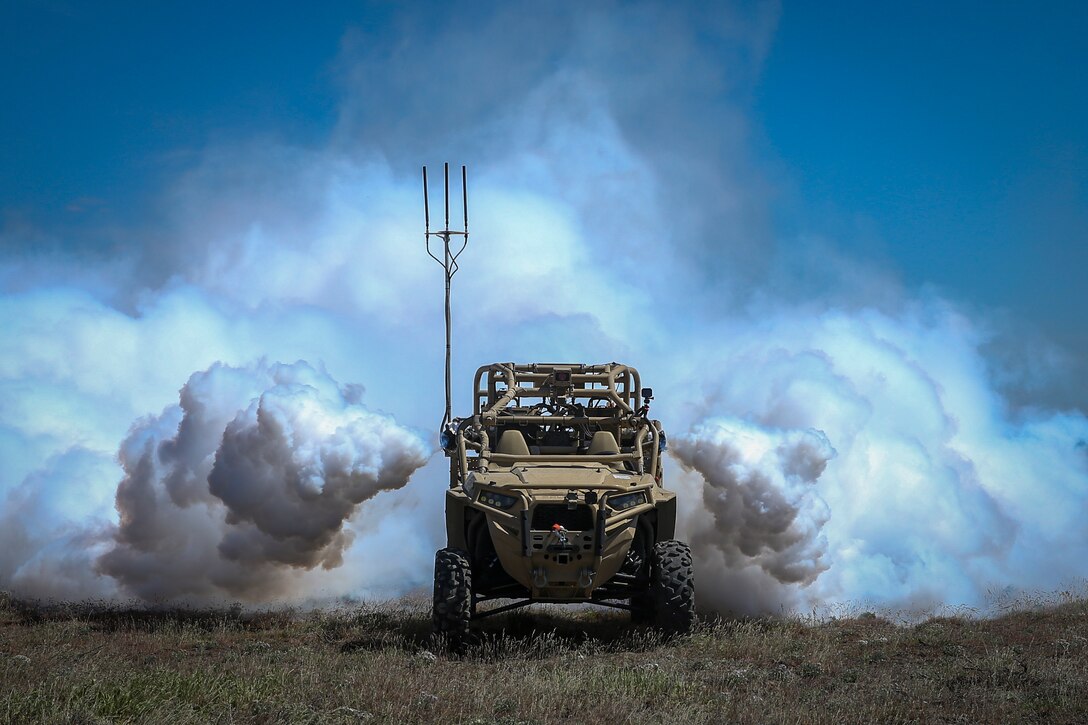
x: 562, y: 564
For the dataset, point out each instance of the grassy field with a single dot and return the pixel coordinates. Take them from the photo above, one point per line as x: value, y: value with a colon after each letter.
x: 85, y: 664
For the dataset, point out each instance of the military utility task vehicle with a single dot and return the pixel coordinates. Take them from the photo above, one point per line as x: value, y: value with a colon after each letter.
x: 555, y: 496
x: 555, y: 490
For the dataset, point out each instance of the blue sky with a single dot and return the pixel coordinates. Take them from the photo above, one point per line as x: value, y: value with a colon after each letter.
x: 945, y: 143
x: 102, y: 99
x: 949, y: 137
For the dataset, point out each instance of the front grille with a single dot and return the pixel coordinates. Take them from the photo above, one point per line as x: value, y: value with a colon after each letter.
x: 545, y: 515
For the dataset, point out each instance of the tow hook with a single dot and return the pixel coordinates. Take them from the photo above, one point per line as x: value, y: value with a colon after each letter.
x: 562, y: 549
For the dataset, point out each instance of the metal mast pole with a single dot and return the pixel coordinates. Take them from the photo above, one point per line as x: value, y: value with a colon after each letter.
x: 449, y: 264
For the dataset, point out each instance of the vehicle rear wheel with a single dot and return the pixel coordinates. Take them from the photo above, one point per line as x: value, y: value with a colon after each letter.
x: 452, y: 610
x: 672, y: 586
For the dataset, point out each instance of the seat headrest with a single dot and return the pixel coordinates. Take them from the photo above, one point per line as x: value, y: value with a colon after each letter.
x: 603, y: 444
x: 512, y: 443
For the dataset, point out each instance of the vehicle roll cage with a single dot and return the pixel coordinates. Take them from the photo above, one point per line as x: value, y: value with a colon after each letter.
x: 578, y: 400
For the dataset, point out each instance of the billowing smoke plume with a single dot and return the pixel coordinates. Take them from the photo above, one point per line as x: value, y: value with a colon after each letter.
x: 250, y: 479
x: 875, y: 462
x: 836, y: 437
x: 759, y: 509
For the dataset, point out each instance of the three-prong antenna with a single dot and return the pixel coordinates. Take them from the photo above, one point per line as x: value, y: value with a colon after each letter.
x: 449, y: 257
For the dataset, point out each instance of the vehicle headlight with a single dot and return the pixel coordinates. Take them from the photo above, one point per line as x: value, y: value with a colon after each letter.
x: 627, y: 500
x: 497, y: 500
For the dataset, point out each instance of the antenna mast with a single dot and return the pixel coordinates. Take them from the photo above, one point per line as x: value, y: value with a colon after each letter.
x: 449, y: 258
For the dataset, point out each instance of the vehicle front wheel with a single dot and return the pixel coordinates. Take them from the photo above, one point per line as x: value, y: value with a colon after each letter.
x: 452, y: 610
x: 672, y: 586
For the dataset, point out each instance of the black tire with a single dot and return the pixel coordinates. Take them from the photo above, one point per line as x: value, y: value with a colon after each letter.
x: 452, y: 610
x: 672, y: 587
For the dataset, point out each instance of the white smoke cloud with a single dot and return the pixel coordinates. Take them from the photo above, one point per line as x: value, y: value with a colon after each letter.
x: 759, y: 516
x: 251, y: 479
x: 840, y: 438
x: 53, y: 525
x: 758, y: 493
x: 937, y: 492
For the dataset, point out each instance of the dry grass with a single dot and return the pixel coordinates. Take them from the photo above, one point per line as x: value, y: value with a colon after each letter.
x: 376, y: 664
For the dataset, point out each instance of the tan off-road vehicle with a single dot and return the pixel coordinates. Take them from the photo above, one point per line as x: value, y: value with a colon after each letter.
x: 556, y: 496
